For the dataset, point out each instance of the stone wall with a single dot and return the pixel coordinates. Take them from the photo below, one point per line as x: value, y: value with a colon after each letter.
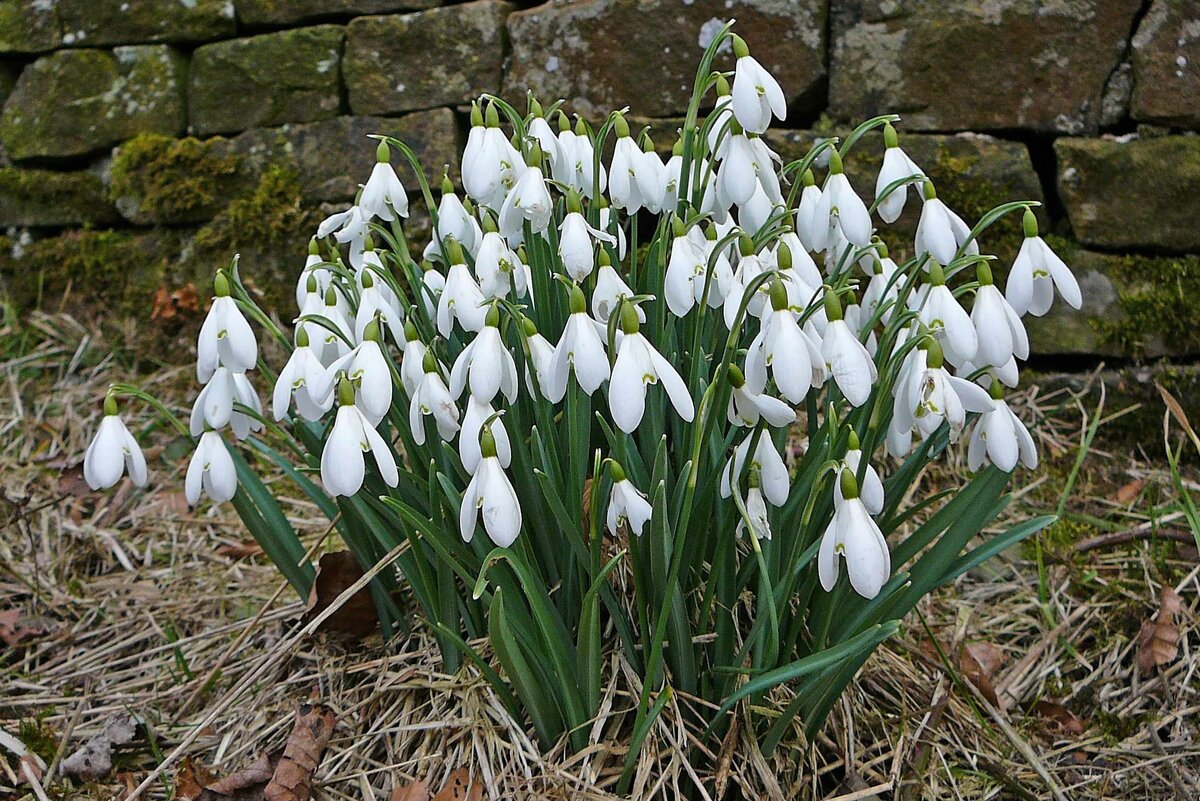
x: 144, y: 141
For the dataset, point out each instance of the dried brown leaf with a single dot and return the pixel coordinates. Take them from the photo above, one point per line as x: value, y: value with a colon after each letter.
x: 979, y: 662
x: 240, y: 550
x: 168, y: 304
x: 292, y: 780
x: 414, y: 791
x: 246, y: 783
x: 94, y: 758
x: 14, y: 630
x: 459, y: 787
x: 336, y: 573
x: 1158, y: 641
x: 1067, y: 722
x: 190, y: 779
x: 1128, y: 493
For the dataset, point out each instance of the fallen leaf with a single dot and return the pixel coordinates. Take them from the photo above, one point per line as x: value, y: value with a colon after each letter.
x: 979, y: 662
x: 168, y: 304
x: 459, y: 787
x: 94, y: 758
x: 336, y: 573
x: 14, y: 630
x: 1067, y: 722
x: 252, y: 779
x: 292, y: 780
x: 1128, y: 493
x: 1158, y: 641
x: 414, y: 791
x: 190, y: 779
x: 240, y: 550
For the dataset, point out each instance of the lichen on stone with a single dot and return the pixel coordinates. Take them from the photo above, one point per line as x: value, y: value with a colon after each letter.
x: 159, y: 179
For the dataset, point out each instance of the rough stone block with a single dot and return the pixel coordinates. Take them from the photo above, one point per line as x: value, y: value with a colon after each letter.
x: 442, y: 57
x: 965, y: 65
x: 32, y: 198
x: 28, y: 26
x: 74, y: 102
x: 1166, y: 64
x: 289, y: 76
x: 288, y: 12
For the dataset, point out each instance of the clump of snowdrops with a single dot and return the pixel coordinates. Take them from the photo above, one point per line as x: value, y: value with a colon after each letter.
x: 632, y: 403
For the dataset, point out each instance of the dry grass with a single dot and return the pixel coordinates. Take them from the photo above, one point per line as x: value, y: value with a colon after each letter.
x: 142, y: 613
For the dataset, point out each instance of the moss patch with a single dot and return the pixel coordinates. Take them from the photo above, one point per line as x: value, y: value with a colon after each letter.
x: 1157, y: 298
x: 158, y: 179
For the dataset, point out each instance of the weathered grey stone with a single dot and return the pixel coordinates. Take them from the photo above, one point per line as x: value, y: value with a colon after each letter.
x: 288, y: 12
x: 96, y: 23
x: 1133, y: 306
x: 965, y: 65
x: 441, y: 57
x: 1142, y: 193
x: 1166, y: 64
x: 74, y: 102
x: 334, y: 156
x: 161, y: 180
x: 604, y: 54
x: 289, y: 76
x: 28, y: 26
x: 973, y: 173
x: 31, y: 198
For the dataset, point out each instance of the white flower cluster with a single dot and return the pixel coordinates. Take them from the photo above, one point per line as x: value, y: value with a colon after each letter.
x: 810, y: 286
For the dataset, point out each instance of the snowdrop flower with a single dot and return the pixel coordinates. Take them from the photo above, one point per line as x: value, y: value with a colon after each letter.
x: 756, y: 510
x: 1036, y: 273
x: 302, y: 372
x: 811, y: 228
x: 766, y: 462
x: 756, y: 94
x: 853, y: 534
x: 844, y: 210
x: 461, y: 298
x: 473, y: 419
x: 626, y: 503
x: 490, y: 491
x: 941, y: 232
x: 343, y: 466
x: 369, y: 374
x: 935, y: 397
x: 639, y: 364
x: 528, y: 200
x: 211, y: 471
x: 610, y: 290
x: 750, y: 265
x: 755, y: 212
x: 314, y: 279
x: 896, y: 165
x: 747, y: 407
x: 214, y: 405
x: 653, y: 181
x: 746, y: 167
x: 497, y: 266
x: 432, y: 284
x: 782, y: 347
x: 634, y: 182
x: 347, y: 226
x: 226, y: 338
x: 485, y: 365
x: 606, y: 214
x: 373, y: 303
x: 329, y: 345
x: 871, y: 490
x: 671, y: 173
x: 383, y: 193
x: 576, y: 245
x: 1001, y: 437
x: 947, y: 320
x: 722, y: 282
x: 491, y: 166
x: 432, y: 399
x: 683, y: 284
x: 578, y: 166
x: 539, y: 129
x: 453, y: 222
x: 580, y: 349
x: 846, y: 358
x: 113, y: 451
x: 883, y: 290
x: 722, y: 115
x: 412, y: 359
x: 541, y: 356
x: 999, y: 330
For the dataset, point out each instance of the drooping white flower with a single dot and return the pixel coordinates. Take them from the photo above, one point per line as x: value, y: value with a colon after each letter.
x: 432, y: 284
x: 210, y: 471
x: 485, y: 365
x: 853, y: 534
x: 473, y: 418
x: 998, y: 328
x: 934, y: 396
x: 383, y: 195
x: 747, y: 407
x: 541, y: 358
x: 578, y: 166
x: 528, y: 200
x: 461, y: 299
x: 639, y: 364
x: 947, y: 320
x: 629, y: 185
x: 756, y: 94
x: 610, y: 290
x: 810, y: 227
x: 843, y: 212
x: 226, y: 338
x: 214, y: 405
x: 846, y: 358
x: 941, y: 232
x: 540, y: 130
x: 651, y: 179
x: 370, y: 375
x: 750, y: 265
x: 683, y: 284
x: 896, y: 166
x: 607, y: 215
x: 350, y: 226
x: 491, y: 166
x: 314, y: 278
x: 343, y: 466
x: 329, y: 341
x: 1002, y: 438
x: 412, y: 359
x: 432, y: 398
x: 756, y: 511
x: 576, y: 244
x: 492, y: 492
x: 783, y: 348
x: 766, y: 461
x: 626, y: 504
x: 453, y: 222
x: 871, y: 488
x: 498, y: 267
x: 374, y: 302
x: 883, y: 290
x: 113, y: 451
x: 302, y: 372
x: 1036, y: 273
x: 579, y: 349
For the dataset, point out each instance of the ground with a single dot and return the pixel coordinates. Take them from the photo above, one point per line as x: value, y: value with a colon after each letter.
x: 1019, y: 681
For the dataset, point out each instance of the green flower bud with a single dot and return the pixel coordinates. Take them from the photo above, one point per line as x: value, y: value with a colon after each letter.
x: 736, y: 379
x: 311, y: 284
x: 429, y: 362
x: 564, y: 124
x: 345, y: 393
x: 710, y: 233
x: 928, y: 191
x: 745, y: 245
x: 723, y: 89
x: 383, y: 153
x: 809, y: 178
x: 996, y: 390
x: 1029, y: 223
x: 110, y: 405
x: 779, y: 297
x: 935, y: 357
x: 368, y: 280
x: 620, y: 126
x: 580, y: 127
x: 835, y: 162
x: 528, y: 325
x: 576, y: 300
x: 853, y: 443
x: 489, y: 223
x: 302, y: 337
x: 740, y: 50
x: 492, y: 318
x: 330, y: 296
x: 314, y: 248
x: 534, y: 157
x: 849, y: 484
x: 476, y: 114
x: 535, y: 108
x: 604, y: 259
x: 221, y: 285
x: 616, y: 471
x: 735, y: 128
x: 783, y: 256
x: 984, y: 273
x: 368, y: 242
x: 937, y: 276
x: 629, y: 318
x: 454, y: 252
x: 890, y: 138
x: 677, y: 226
x: 371, y: 332
x: 677, y: 148
x: 491, y: 117
x: 647, y: 144
x: 574, y: 204
x: 487, y: 442
x: 468, y: 206
x: 447, y: 185
x: 833, y: 306
x: 410, y: 331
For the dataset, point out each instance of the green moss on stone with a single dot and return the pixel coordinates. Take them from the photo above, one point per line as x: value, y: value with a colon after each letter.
x: 48, y: 198
x: 1157, y: 298
x: 160, y: 179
